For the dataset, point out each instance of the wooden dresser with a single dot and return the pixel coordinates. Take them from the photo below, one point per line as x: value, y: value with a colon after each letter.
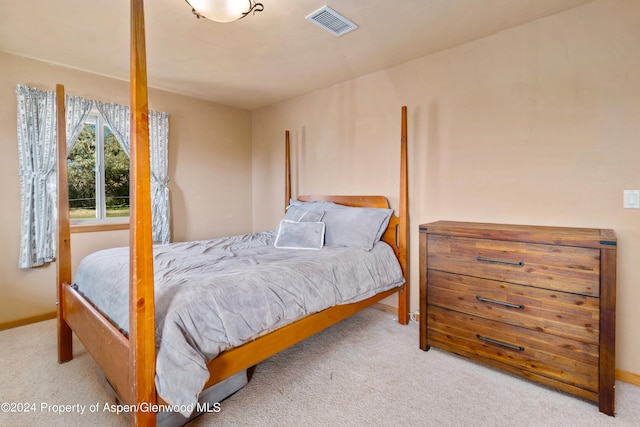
x: 535, y: 301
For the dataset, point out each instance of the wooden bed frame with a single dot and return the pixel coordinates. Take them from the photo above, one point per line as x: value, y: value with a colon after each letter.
x: 129, y: 363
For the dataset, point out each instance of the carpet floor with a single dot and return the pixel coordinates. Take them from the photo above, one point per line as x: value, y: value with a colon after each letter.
x: 366, y: 370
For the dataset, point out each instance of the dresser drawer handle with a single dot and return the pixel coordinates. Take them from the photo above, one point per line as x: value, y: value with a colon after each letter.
x: 500, y: 343
x: 499, y: 261
x: 506, y: 304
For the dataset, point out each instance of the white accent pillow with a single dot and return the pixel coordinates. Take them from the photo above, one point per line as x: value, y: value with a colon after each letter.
x: 300, y: 235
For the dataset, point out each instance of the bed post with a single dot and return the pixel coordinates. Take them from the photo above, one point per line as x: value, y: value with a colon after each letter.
x: 403, y: 228
x: 287, y: 168
x: 142, y: 349
x: 63, y: 259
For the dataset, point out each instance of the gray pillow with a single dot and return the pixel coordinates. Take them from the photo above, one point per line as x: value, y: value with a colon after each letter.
x: 300, y: 213
x: 355, y: 227
x: 304, y: 211
x: 300, y: 235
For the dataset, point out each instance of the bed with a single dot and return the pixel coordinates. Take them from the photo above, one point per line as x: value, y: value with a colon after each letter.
x: 127, y: 344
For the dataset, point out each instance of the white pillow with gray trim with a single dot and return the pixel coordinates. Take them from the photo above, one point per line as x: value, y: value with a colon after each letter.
x: 300, y: 235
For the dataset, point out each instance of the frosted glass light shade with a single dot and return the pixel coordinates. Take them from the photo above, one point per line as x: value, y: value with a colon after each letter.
x: 221, y: 10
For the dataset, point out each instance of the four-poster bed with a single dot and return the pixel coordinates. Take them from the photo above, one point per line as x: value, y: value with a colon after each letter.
x: 128, y: 360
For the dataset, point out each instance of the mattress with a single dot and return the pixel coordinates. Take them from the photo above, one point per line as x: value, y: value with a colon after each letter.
x: 218, y: 294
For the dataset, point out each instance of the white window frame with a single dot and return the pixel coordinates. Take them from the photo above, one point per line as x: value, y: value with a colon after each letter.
x: 95, y: 118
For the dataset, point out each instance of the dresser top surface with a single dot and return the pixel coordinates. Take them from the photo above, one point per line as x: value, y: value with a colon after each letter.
x: 568, y: 236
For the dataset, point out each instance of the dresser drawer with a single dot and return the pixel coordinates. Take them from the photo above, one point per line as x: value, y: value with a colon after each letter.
x: 559, y: 313
x: 566, y: 360
x: 562, y: 268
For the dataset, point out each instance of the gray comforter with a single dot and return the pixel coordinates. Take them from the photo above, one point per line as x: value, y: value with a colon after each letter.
x: 218, y: 294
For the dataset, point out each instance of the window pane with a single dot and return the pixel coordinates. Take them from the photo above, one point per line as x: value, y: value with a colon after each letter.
x: 81, y: 166
x: 116, y: 179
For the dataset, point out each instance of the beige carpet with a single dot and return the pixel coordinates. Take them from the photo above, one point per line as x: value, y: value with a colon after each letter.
x: 367, y: 370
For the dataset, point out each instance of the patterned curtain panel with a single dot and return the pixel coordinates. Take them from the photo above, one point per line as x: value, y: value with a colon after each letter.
x: 37, y: 156
x: 159, y: 146
x: 77, y: 111
x: 118, y: 118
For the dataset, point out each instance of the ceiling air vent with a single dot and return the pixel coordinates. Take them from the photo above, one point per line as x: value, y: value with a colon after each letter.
x: 332, y: 21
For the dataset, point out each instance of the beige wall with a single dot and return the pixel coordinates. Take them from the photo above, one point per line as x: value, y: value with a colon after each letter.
x: 535, y: 125
x: 209, y: 168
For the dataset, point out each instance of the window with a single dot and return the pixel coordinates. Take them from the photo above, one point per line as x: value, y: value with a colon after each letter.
x: 98, y: 169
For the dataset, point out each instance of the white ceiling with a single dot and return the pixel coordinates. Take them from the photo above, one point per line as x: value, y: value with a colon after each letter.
x: 259, y: 60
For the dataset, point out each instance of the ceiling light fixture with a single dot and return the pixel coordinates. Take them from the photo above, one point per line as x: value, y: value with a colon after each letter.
x: 224, y: 10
